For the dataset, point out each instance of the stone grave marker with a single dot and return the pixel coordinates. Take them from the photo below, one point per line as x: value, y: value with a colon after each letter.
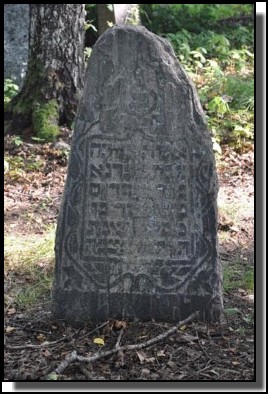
x: 137, y: 230
x: 16, y: 32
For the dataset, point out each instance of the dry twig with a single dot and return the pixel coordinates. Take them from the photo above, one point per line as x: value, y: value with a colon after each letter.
x: 46, y: 343
x: 119, y: 338
x: 75, y: 357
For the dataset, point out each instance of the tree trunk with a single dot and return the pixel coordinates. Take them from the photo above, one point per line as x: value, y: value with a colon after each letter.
x: 104, y: 16
x: 54, y: 78
x: 120, y: 14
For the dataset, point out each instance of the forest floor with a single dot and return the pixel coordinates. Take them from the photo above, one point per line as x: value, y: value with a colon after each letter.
x: 35, y: 345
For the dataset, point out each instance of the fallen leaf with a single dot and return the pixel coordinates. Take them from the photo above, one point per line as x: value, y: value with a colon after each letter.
x: 233, y: 350
x: 41, y: 337
x: 235, y: 363
x: 150, y: 359
x: 161, y: 353
x: 119, y: 324
x: 182, y: 328
x: 234, y: 229
x: 99, y: 341
x: 46, y: 353
x: 215, y: 373
x: 53, y: 376
x: 11, y: 311
x: 141, y: 355
x: 10, y: 329
x: 172, y: 365
x: 143, y: 336
x: 8, y: 299
x: 181, y: 376
x: 145, y: 372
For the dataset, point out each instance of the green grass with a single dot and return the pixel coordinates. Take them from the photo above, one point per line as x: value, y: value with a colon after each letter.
x: 32, y: 294
x: 234, y: 211
x: 238, y: 276
x: 29, y: 264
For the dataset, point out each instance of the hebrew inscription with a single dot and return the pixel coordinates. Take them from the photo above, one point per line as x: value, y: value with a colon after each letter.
x: 136, y: 234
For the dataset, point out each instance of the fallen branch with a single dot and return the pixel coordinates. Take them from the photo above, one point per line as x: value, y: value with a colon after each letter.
x: 75, y: 357
x: 30, y: 346
x: 119, y: 338
x: 91, y: 332
x: 203, y: 350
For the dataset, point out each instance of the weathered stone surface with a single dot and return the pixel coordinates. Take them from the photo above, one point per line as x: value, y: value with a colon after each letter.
x: 137, y: 233
x: 16, y: 31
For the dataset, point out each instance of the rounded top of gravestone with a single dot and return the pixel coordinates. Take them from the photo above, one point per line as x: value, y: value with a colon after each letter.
x: 134, y: 74
x: 121, y: 29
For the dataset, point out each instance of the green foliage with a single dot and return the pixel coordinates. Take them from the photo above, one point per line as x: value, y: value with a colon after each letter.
x: 241, y: 36
x: 52, y: 376
x: 214, y: 43
x: 15, y: 162
x: 87, y: 53
x: 170, y: 18
x: 17, y: 167
x: 91, y: 17
x: 133, y: 17
x: 10, y: 90
x: 17, y: 141
x: 45, y: 120
x: 230, y: 114
x: 218, y: 105
x: 240, y: 58
x: 242, y: 92
x: 6, y: 166
x: 31, y: 258
x: 30, y: 295
x: 88, y: 24
x: 249, y: 279
x: 238, y: 276
x: 232, y: 311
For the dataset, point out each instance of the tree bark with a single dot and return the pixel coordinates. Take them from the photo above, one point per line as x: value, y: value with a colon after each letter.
x: 54, y: 77
x: 121, y: 13
x: 104, y: 16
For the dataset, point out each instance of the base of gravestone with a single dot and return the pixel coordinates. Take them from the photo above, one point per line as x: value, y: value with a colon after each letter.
x: 93, y: 307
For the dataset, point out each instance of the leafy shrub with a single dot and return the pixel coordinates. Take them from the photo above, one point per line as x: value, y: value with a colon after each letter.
x: 171, y: 18
x: 241, y: 91
x: 167, y: 18
x: 10, y: 90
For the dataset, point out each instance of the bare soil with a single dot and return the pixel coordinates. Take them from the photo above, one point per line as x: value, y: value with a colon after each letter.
x: 35, y: 345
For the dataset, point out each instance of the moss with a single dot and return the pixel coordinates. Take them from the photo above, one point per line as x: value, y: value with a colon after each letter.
x: 45, y: 119
x: 31, y: 92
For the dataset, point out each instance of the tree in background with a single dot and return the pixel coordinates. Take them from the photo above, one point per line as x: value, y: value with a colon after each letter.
x: 110, y: 14
x: 54, y: 79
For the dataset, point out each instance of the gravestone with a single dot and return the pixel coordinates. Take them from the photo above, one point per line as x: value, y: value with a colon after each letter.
x: 16, y: 31
x: 137, y: 231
